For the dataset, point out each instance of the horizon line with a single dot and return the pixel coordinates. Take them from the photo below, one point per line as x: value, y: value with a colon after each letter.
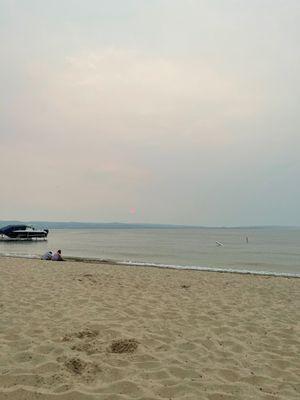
x: 153, y: 224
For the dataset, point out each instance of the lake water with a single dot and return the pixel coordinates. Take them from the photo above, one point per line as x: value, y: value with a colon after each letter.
x: 269, y: 250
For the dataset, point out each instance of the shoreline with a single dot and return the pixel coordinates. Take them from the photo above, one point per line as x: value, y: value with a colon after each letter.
x: 225, y: 270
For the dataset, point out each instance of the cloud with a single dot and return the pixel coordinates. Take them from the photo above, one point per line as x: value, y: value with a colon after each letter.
x: 129, y: 96
x: 180, y: 137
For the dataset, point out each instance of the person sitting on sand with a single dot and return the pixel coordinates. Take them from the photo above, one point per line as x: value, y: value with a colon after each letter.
x: 47, y: 256
x: 57, y: 256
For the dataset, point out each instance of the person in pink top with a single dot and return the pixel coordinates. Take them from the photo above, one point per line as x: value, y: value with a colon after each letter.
x: 57, y: 256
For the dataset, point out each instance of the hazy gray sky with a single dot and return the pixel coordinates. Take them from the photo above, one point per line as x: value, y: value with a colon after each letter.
x: 171, y: 111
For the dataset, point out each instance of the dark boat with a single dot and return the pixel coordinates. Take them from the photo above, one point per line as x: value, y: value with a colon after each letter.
x: 23, y: 232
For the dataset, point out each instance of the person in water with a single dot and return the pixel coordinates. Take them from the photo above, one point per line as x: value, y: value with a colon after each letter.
x: 57, y: 256
x: 47, y: 256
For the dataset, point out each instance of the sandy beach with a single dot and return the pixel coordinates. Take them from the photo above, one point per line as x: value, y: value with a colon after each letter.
x: 81, y: 331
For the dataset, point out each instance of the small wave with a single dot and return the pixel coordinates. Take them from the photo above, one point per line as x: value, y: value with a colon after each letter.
x: 211, y: 269
x: 222, y: 269
x: 19, y: 255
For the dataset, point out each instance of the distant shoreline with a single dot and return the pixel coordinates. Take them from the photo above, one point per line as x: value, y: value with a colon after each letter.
x: 126, y: 225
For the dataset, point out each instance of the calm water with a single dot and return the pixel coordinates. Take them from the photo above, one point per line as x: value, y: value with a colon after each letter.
x: 275, y: 250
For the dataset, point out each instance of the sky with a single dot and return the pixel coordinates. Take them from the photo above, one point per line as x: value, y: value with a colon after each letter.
x: 155, y: 111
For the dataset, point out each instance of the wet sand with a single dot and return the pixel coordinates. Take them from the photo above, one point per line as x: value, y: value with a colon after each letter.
x: 72, y: 331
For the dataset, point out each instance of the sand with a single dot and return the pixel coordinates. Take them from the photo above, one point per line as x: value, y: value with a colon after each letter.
x: 75, y: 331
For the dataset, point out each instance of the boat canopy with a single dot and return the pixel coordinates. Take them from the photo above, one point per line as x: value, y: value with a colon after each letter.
x: 7, y: 230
